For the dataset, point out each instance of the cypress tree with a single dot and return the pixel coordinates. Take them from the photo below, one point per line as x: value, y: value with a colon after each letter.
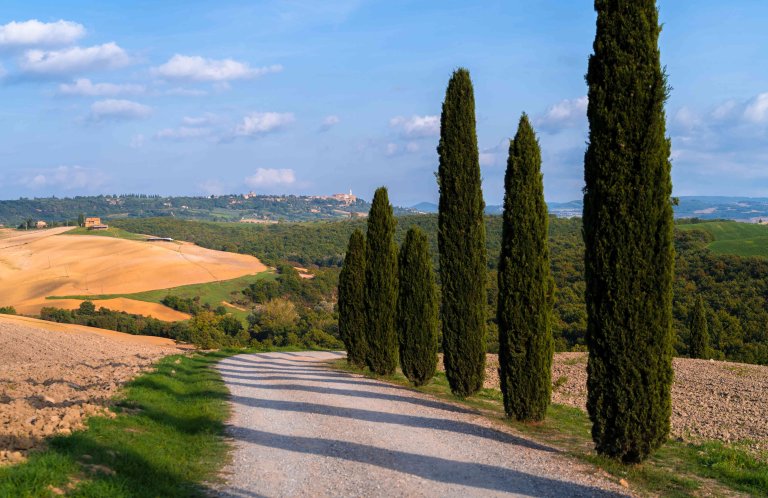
x: 352, y: 300
x: 699, y: 346
x: 461, y: 239
x: 417, y: 309
x: 381, y: 286
x: 629, y: 259
x: 525, y: 284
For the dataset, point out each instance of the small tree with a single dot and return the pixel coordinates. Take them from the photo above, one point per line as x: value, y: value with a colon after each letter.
x: 381, y: 286
x: 352, y: 300
x: 461, y: 239
x: 525, y: 284
x: 417, y: 309
x: 81, y: 220
x: 699, y: 346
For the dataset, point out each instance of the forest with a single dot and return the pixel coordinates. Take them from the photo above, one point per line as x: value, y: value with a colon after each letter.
x: 734, y: 288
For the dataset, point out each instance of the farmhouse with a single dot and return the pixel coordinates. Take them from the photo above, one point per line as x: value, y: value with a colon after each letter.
x: 41, y: 224
x: 89, y: 222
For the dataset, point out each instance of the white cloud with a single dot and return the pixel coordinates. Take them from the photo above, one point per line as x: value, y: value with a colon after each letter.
x: 261, y: 123
x: 212, y: 187
x: 568, y: 113
x: 199, y: 120
x: 268, y: 177
x: 73, y: 59
x: 417, y: 126
x: 118, y: 109
x: 329, y: 122
x: 35, y: 33
x: 183, y: 133
x: 85, y: 87
x: 757, y: 109
x: 196, y: 68
x: 65, y: 177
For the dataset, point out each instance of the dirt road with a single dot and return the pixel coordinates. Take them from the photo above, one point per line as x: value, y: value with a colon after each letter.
x: 301, y: 429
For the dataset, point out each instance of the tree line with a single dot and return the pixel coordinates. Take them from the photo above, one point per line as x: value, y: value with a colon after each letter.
x: 629, y: 257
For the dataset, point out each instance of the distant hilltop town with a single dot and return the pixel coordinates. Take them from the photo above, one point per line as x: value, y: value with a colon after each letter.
x: 249, y: 208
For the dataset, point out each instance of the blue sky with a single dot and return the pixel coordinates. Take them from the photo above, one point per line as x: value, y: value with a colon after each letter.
x: 298, y: 96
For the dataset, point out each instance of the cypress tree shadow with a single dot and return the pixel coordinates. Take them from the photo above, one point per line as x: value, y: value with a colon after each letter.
x: 476, y: 475
x: 456, y: 426
x: 358, y: 394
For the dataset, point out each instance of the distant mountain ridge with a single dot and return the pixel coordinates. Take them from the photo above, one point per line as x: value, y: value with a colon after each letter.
x: 747, y: 209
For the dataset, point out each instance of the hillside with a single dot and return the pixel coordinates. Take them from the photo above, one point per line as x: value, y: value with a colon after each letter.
x: 42, y: 263
x: 728, y: 237
x: 248, y: 207
x: 734, y: 287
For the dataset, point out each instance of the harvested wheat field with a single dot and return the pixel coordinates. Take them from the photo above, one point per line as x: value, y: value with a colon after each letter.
x: 56, y: 375
x: 42, y: 263
x: 710, y: 399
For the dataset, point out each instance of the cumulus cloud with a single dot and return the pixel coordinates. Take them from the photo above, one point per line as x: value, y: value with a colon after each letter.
x: 85, y: 87
x: 757, y: 109
x: 34, y: 33
x: 417, y: 126
x: 268, y: 177
x: 199, y: 120
x: 568, y: 113
x: 118, y: 110
x: 329, y: 122
x: 73, y: 59
x: 186, y: 92
x: 262, y: 123
x: 196, y: 68
x: 65, y: 178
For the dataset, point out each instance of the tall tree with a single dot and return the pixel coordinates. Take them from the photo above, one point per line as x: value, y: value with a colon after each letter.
x: 628, y: 225
x: 417, y: 309
x: 381, y: 286
x: 352, y: 300
x: 699, y: 346
x: 525, y: 284
x: 461, y: 239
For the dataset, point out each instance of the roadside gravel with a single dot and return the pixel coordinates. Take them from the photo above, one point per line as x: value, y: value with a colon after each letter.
x: 300, y: 429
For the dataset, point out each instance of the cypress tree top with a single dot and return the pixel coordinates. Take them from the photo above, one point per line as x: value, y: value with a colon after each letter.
x: 461, y: 239
x: 628, y: 234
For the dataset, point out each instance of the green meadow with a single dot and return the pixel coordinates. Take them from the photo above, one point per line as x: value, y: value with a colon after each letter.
x: 732, y: 237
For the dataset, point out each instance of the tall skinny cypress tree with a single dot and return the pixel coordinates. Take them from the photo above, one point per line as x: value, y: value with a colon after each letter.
x: 525, y: 284
x: 699, y: 346
x: 381, y: 286
x: 628, y: 225
x: 417, y: 309
x: 461, y: 239
x: 352, y: 300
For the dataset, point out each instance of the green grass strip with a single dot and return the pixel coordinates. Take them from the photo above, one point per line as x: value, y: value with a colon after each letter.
x: 115, y: 233
x: 678, y: 469
x: 166, y: 440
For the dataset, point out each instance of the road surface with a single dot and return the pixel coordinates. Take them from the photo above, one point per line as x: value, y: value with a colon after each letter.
x: 301, y: 429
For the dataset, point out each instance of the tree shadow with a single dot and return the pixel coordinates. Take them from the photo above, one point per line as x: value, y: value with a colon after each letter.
x: 476, y: 475
x: 292, y: 371
x: 427, y: 403
x: 439, y: 424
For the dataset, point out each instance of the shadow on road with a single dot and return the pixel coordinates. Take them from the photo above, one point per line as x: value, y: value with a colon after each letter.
x: 390, y: 418
x: 471, y: 474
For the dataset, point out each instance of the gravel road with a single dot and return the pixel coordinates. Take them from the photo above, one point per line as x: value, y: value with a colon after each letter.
x: 301, y: 429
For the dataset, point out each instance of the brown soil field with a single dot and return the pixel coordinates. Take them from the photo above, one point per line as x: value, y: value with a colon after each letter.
x: 42, y: 263
x: 710, y: 399
x: 54, y: 376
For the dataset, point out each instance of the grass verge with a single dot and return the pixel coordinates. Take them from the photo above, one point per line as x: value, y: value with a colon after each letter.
x: 732, y: 237
x: 166, y: 440
x: 678, y: 469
